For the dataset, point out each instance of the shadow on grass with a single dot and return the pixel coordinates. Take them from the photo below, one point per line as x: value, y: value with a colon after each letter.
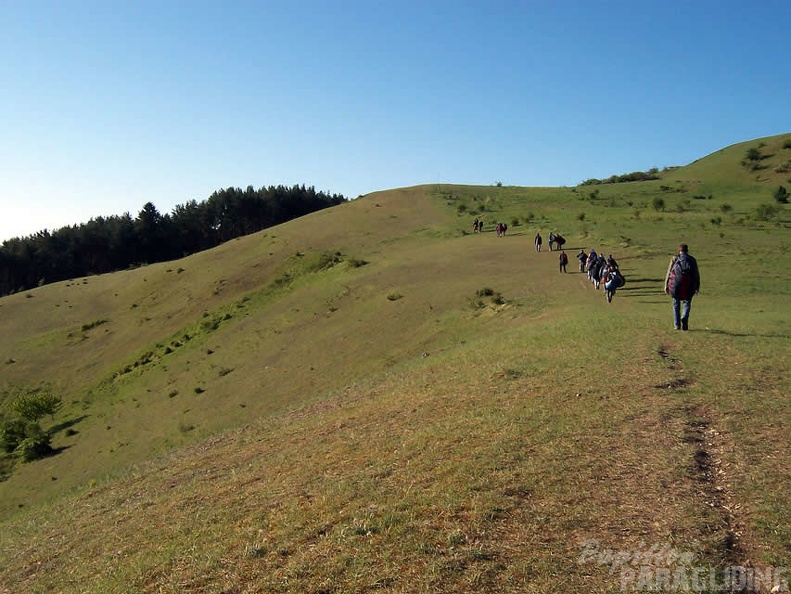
x: 642, y: 287
x: 66, y: 424
x: 744, y: 334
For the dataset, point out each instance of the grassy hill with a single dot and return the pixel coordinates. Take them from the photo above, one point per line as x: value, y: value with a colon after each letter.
x: 374, y: 398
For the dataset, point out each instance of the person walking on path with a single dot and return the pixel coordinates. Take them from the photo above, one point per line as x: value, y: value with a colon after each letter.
x: 583, y: 258
x: 538, y: 241
x: 564, y: 259
x: 682, y: 282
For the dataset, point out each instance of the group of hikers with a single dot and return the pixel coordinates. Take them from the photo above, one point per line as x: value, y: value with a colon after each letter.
x: 500, y: 228
x: 682, y: 280
x: 553, y: 239
x: 601, y: 271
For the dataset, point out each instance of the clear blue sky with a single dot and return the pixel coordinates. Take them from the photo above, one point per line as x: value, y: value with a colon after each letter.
x: 106, y: 105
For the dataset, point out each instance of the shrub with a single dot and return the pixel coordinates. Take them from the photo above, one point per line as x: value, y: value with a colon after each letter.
x: 726, y: 208
x: 765, y: 212
x: 659, y: 204
x: 581, y: 216
x: 753, y: 154
x: 12, y: 432
x: 25, y: 439
x: 35, y: 445
x: 495, y: 297
x: 91, y: 325
x: 781, y: 195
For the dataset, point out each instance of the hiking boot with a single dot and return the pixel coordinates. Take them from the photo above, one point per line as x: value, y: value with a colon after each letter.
x: 684, y: 325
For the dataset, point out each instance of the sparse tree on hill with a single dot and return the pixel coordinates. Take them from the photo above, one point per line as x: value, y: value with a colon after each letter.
x: 32, y: 407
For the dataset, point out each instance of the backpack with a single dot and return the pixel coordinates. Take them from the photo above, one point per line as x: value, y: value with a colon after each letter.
x: 682, y: 278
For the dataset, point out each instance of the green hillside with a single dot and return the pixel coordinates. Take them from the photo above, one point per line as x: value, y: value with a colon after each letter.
x: 373, y: 398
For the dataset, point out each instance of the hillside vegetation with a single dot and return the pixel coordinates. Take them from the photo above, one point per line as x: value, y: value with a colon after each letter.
x: 373, y: 398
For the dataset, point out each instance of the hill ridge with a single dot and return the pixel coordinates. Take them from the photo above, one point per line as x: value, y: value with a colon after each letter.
x: 396, y: 402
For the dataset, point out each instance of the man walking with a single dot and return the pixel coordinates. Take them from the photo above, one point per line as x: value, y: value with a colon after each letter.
x: 682, y: 282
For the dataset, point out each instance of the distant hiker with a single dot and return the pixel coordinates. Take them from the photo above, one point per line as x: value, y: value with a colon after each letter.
x: 613, y: 280
x: 583, y: 259
x: 504, y: 229
x: 475, y: 224
x: 682, y: 282
x: 564, y: 259
x: 498, y: 228
x: 559, y: 241
x: 538, y: 241
x: 589, y: 264
x: 551, y: 240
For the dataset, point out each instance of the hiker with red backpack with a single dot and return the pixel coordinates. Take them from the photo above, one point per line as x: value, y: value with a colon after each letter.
x: 682, y: 282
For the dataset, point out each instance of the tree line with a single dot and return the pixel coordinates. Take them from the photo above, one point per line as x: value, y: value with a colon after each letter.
x: 650, y: 175
x: 107, y: 244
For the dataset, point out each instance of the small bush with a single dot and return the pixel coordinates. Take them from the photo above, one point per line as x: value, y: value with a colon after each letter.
x: 659, y: 204
x: 726, y: 208
x: 781, y: 195
x: 12, y: 432
x: 36, y: 444
x: 328, y: 260
x: 494, y: 297
x: 498, y: 299
x: 581, y: 216
x: 753, y: 154
x: 765, y: 212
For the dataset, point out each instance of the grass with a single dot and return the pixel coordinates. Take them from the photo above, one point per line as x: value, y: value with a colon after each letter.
x: 291, y: 428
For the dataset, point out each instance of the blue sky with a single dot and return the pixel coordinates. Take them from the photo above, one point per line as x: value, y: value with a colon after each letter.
x: 106, y: 105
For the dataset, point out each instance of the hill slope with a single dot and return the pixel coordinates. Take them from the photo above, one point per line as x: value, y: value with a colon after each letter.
x: 358, y: 413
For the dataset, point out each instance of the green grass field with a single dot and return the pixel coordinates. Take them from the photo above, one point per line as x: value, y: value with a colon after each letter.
x: 373, y: 398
